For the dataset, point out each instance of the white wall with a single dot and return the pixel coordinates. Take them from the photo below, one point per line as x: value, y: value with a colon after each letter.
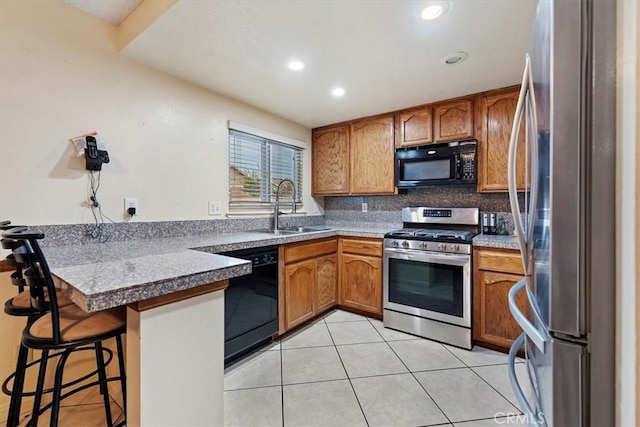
x: 628, y: 213
x: 60, y: 76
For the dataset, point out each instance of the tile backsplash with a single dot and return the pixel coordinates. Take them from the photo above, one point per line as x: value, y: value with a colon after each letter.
x: 387, y: 209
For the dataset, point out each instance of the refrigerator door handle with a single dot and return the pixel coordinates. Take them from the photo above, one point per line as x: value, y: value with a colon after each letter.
x: 530, y: 414
x: 529, y: 329
x: 532, y: 124
x: 512, y: 164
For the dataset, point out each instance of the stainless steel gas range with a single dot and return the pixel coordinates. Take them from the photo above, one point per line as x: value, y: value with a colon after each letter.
x: 427, y: 274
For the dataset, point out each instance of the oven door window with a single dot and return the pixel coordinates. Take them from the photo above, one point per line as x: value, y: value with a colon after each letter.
x: 428, y: 286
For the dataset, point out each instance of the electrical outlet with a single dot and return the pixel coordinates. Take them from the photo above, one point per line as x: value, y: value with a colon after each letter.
x: 130, y: 203
x: 214, y: 208
x: 365, y: 207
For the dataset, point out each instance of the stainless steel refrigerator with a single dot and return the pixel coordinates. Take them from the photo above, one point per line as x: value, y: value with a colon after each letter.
x: 566, y: 225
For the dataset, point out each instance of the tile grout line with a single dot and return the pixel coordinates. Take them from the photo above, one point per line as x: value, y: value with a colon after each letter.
x: 487, y: 382
x: 281, y: 385
x: 347, y: 374
x: 496, y: 390
x: 414, y: 377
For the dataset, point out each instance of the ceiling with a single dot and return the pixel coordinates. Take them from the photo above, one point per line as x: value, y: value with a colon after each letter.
x: 112, y: 11
x: 384, y: 55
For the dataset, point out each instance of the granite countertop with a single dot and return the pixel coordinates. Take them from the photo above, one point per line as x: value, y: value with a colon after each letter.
x: 496, y: 241
x: 98, y: 276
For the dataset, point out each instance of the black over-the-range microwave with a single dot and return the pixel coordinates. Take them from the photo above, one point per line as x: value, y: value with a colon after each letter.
x: 430, y: 165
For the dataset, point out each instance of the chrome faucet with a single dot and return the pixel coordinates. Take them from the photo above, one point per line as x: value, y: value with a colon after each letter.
x: 276, y: 208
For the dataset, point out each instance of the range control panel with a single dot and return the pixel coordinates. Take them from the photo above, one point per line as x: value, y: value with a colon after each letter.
x: 436, y: 213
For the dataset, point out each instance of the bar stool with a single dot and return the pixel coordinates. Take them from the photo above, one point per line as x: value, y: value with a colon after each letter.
x: 64, y: 329
x: 20, y: 306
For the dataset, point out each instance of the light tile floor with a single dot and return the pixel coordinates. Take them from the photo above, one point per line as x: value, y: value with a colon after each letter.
x: 348, y: 370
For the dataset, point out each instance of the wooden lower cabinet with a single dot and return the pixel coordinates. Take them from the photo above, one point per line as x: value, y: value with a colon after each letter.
x: 361, y: 282
x: 326, y: 282
x: 318, y: 275
x: 299, y: 292
x: 495, y: 272
x: 308, y: 281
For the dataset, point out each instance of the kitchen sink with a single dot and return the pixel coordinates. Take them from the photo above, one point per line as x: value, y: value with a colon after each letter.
x: 293, y: 230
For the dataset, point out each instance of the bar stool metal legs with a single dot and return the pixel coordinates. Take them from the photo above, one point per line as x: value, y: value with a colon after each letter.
x: 13, y: 418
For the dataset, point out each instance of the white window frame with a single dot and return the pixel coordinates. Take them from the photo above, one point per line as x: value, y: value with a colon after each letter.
x: 239, y: 207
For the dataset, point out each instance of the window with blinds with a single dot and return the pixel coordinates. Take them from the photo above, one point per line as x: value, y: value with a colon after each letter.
x: 256, y: 166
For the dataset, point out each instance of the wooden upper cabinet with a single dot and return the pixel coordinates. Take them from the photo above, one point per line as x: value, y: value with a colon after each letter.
x: 497, y: 112
x: 372, y: 156
x: 330, y: 161
x: 414, y: 128
x: 453, y: 121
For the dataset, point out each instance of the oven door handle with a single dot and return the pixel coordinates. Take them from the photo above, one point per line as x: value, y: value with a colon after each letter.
x: 440, y: 258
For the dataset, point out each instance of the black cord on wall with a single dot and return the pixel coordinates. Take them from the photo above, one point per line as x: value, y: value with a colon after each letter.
x: 97, y: 230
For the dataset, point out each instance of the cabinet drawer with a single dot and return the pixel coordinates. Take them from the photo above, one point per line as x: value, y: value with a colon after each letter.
x: 362, y: 247
x: 300, y: 251
x: 505, y: 262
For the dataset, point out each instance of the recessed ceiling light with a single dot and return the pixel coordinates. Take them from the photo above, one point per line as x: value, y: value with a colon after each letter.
x: 454, y: 58
x: 434, y: 9
x: 431, y: 12
x: 337, y: 91
x: 295, y: 65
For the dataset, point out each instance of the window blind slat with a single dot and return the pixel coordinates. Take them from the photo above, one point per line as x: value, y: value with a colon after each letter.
x: 256, y: 166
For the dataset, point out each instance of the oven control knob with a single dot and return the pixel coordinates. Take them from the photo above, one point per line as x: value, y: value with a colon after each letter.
x: 267, y: 258
x: 454, y: 247
x: 422, y: 245
x: 442, y: 246
x: 394, y: 243
x: 405, y: 244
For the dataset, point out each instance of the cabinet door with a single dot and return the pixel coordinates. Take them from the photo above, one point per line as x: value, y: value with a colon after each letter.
x: 414, y: 128
x: 326, y: 282
x: 372, y: 156
x: 497, y: 114
x: 299, y: 292
x: 330, y: 161
x: 453, y: 121
x: 493, y: 323
x: 361, y: 282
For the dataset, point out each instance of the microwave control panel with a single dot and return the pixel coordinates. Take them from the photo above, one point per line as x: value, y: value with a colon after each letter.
x: 468, y: 166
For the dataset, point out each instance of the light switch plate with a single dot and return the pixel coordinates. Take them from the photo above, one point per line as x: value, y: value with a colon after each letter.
x: 214, y: 207
x: 365, y: 207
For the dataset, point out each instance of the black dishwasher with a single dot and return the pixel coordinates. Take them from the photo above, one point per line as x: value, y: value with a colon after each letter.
x: 251, y: 303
